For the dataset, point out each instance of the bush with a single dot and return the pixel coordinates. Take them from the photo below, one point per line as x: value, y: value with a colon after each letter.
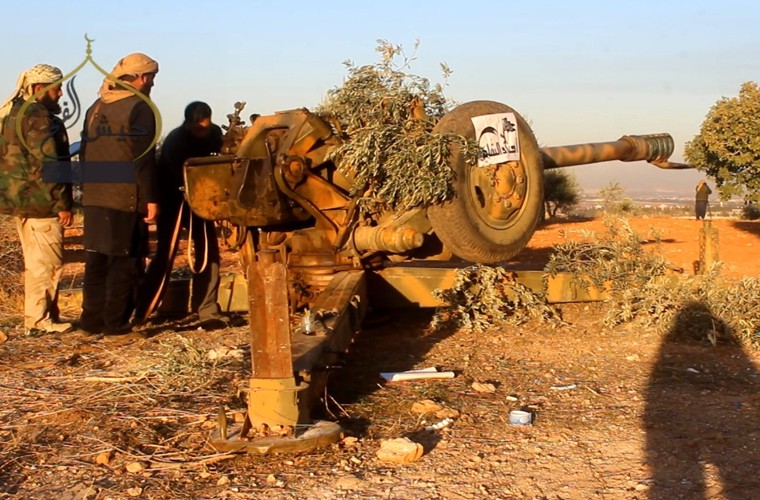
x: 484, y: 297
x: 643, y: 289
x: 614, y: 200
x: 561, y: 192
x: 385, y: 118
x: 750, y: 211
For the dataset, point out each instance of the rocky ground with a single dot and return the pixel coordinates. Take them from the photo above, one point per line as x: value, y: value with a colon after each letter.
x: 617, y: 413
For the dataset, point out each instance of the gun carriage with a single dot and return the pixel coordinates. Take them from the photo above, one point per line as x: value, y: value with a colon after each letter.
x: 310, y: 249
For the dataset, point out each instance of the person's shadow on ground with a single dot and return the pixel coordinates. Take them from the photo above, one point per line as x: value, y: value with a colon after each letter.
x: 702, y: 413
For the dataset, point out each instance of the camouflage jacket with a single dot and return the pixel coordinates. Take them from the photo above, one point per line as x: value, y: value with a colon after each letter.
x: 22, y: 190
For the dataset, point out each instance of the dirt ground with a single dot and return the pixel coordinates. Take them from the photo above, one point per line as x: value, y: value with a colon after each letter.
x: 679, y: 241
x: 617, y: 413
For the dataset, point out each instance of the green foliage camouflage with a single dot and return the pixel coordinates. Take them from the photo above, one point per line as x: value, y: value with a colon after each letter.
x: 727, y: 147
x: 615, y: 261
x: 389, y: 149
x: 483, y: 297
x: 644, y: 290
x: 643, y: 287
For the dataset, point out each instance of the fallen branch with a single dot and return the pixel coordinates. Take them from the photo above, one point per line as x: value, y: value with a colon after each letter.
x: 100, y: 378
x: 158, y: 466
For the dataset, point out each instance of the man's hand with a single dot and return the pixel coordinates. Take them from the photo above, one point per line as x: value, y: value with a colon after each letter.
x: 65, y: 218
x: 152, y: 213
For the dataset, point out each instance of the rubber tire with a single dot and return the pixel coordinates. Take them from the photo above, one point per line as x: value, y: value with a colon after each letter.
x: 457, y: 222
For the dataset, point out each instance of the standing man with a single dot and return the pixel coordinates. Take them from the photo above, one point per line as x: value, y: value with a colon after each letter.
x: 703, y: 194
x: 41, y: 209
x: 196, y: 137
x: 119, y: 194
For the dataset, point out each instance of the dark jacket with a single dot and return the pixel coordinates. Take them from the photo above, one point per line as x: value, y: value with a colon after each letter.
x: 703, y: 192
x: 22, y: 190
x: 118, y: 161
x: 178, y: 146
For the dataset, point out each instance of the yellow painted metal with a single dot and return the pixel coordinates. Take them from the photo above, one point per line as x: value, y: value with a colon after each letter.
x: 563, y: 288
x: 654, y: 148
x: 282, y: 176
x: 277, y: 402
x: 318, y: 435
x: 308, y: 238
x: 412, y: 286
x: 501, y: 190
x: 233, y: 293
x: 288, y: 400
x: 387, y: 239
x: 339, y: 310
x: 392, y: 287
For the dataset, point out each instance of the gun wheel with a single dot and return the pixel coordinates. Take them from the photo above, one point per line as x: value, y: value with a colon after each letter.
x: 495, y: 208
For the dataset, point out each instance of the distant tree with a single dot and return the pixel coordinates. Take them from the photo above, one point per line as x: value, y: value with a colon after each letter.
x: 727, y: 147
x: 750, y: 211
x: 614, y: 200
x: 561, y: 192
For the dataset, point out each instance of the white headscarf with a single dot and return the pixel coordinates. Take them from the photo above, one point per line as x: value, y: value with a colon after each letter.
x: 41, y: 73
x: 133, y: 64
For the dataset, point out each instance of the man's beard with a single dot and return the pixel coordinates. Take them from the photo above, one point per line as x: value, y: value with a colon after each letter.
x: 54, y: 108
x: 51, y: 105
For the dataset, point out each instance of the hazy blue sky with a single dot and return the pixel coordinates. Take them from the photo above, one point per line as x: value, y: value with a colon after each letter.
x: 580, y: 71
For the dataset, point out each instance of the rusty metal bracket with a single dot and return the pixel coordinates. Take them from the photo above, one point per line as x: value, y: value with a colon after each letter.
x: 290, y: 366
x: 318, y: 435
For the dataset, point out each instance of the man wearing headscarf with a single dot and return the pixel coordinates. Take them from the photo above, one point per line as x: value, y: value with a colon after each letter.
x: 702, y: 197
x: 33, y: 135
x: 119, y: 191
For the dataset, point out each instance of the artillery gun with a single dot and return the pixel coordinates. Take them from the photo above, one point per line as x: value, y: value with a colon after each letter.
x: 309, y: 249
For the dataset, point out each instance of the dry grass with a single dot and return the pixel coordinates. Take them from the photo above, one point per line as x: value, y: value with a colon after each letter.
x: 11, y: 271
x: 75, y: 412
x: 102, y: 405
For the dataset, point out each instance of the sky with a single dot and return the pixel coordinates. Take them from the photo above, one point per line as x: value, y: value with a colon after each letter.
x: 580, y: 71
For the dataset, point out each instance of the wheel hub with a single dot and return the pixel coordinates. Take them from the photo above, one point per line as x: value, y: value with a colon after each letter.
x: 498, y: 192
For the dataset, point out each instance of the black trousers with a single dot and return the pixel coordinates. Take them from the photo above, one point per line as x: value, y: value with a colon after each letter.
x: 700, y: 209
x: 205, y: 285
x: 110, y: 287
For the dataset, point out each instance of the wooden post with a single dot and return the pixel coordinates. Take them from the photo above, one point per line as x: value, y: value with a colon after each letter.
x: 708, y: 247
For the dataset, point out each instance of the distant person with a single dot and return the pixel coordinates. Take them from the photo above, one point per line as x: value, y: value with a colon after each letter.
x: 196, y: 137
x: 41, y: 209
x: 703, y: 194
x: 118, y: 145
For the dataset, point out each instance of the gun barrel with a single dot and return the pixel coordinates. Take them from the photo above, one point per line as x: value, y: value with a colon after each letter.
x: 654, y: 148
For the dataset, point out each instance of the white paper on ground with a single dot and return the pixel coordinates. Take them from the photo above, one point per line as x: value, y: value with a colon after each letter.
x: 416, y: 374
